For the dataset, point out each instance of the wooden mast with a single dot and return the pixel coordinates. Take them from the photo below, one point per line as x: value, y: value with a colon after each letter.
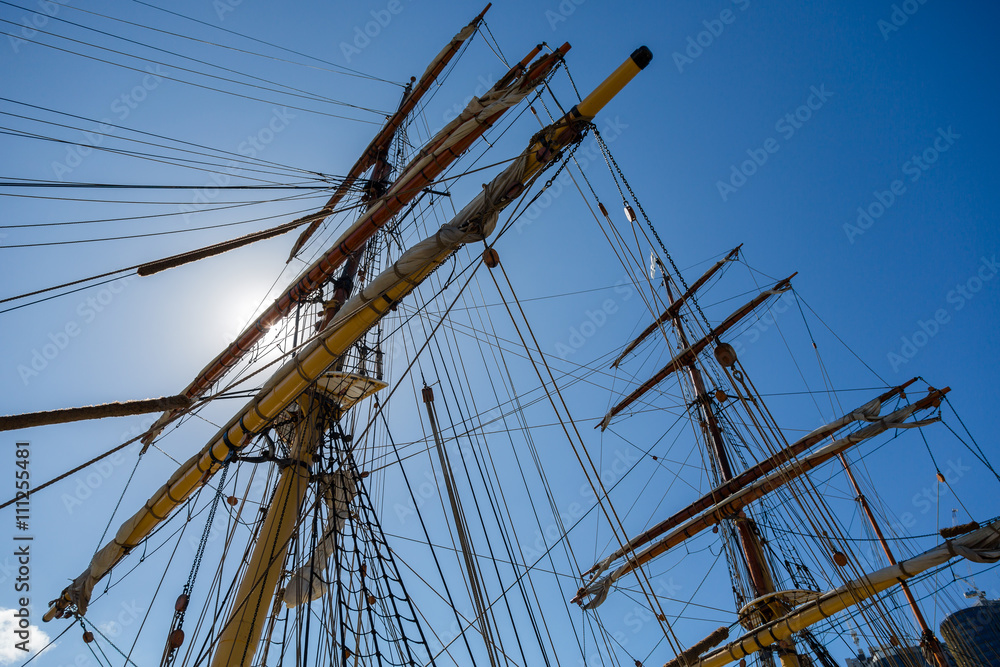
x: 675, y: 305
x: 761, y: 577
x: 689, y: 354
x: 754, y: 473
x: 437, y: 155
x: 380, y: 144
x: 377, y: 186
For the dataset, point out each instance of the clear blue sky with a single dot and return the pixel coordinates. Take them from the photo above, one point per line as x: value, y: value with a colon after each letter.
x: 853, y: 142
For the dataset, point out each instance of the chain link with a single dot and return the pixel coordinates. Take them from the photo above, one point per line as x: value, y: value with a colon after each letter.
x: 562, y: 164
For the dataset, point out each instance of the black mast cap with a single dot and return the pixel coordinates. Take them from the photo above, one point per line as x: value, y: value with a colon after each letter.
x: 642, y: 56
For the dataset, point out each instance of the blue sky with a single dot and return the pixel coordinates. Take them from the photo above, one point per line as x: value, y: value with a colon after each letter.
x: 853, y: 142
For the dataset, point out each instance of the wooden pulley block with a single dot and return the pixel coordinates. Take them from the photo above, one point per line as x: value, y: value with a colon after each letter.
x: 176, y: 638
x: 725, y: 354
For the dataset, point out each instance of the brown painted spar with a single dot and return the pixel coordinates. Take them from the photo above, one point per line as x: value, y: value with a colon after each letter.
x: 381, y: 141
x: 437, y: 157
x: 674, y: 308
x: 689, y: 354
x: 746, y: 477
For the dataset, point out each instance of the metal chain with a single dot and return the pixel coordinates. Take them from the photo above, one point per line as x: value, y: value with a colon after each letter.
x: 610, y: 160
x: 572, y: 82
x: 564, y: 158
x: 208, y: 527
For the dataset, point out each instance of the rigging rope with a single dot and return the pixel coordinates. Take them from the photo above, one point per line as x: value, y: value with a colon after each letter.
x: 610, y: 159
x: 171, y: 78
x: 178, y: 621
x: 346, y: 70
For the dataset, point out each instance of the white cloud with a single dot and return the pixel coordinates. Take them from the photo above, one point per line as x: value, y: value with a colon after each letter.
x: 9, y: 653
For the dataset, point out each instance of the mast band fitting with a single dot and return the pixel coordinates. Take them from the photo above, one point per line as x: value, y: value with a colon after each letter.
x: 149, y: 509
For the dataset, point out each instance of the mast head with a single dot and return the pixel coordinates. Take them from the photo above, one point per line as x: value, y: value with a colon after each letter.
x: 642, y: 56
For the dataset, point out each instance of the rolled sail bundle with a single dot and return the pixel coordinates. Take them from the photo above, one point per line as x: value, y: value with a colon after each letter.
x: 309, y: 583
